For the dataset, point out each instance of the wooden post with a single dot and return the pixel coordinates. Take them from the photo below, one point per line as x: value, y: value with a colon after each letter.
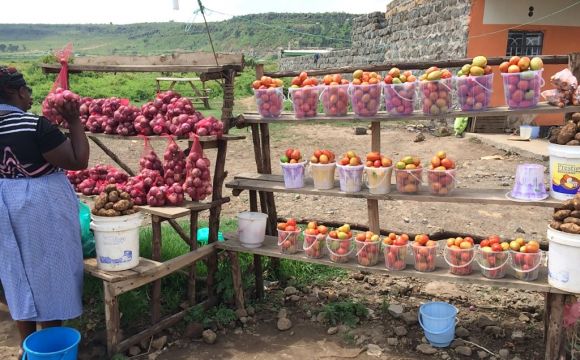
x: 228, y: 104
x: 554, y: 334
x: 259, y: 165
x: 237, y: 280
x: 373, y: 205
x: 258, y: 271
x: 156, y: 255
x: 112, y: 318
x: 191, y: 293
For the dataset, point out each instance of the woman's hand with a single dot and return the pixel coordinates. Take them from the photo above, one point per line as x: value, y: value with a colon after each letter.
x: 70, y: 112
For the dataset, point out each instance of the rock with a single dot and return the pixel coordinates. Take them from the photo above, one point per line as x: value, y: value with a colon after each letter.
x: 396, y: 310
x: 251, y: 311
x: 400, y: 331
x: 134, y: 350
x: 240, y: 313
x: 392, y: 341
x: 420, y: 137
x: 372, y: 281
x: 461, y: 332
x: 410, y: 318
x: 463, y: 350
x: 360, y: 131
x: 482, y: 354
x: 159, y: 343
x: 244, y: 320
x: 284, y: 324
x: 494, y: 331
x: 504, y: 354
x: 153, y: 355
x: 209, y: 337
x: 358, y: 276
x: 283, y: 313
x: 456, y: 343
x: 516, y: 358
x: 426, y: 349
x: 520, y: 230
x: 290, y: 290
x: 523, y: 318
x: 374, y: 350
x: 332, y: 330
x: 442, y: 289
x: 194, y: 330
x: 294, y: 298
x: 361, y: 339
x: 407, y: 220
x: 320, y: 317
x: 484, y: 321
x: 518, y: 335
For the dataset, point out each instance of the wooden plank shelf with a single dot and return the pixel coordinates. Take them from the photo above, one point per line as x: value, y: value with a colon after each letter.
x: 174, y: 212
x: 202, y: 139
x: 116, y: 276
x: 441, y: 273
x: 542, y: 108
x: 275, y: 183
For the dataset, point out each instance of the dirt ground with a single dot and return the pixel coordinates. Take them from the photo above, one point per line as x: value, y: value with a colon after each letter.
x: 308, y: 340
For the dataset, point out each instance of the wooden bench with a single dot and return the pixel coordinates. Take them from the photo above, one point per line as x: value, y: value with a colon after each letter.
x: 201, y: 95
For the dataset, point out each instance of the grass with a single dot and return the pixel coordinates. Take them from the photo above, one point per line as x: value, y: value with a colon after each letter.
x: 344, y: 312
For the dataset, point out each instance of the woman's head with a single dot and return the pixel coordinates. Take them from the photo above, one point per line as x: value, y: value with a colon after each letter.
x: 13, y: 89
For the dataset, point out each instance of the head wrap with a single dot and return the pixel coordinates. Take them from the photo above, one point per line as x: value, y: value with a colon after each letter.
x: 10, y: 78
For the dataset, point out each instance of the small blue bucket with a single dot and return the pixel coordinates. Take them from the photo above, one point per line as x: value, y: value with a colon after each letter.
x: 55, y: 343
x: 438, y: 322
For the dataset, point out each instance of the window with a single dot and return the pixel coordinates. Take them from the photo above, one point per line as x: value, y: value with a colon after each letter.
x: 524, y: 43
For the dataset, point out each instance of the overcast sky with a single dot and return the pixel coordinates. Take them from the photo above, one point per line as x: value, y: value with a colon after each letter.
x: 135, y: 11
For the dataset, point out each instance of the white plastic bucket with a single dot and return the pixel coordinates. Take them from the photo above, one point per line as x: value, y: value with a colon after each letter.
x: 378, y: 180
x: 293, y: 174
x: 322, y: 175
x: 564, y: 171
x: 562, y: 260
x: 117, y: 241
x: 350, y: 178
x: 251, y: 228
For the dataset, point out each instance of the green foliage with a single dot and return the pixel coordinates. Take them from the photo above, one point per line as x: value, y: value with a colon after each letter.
x: 220, y: 315
x: 344, y: 312
x: 385, y: 307
x: 302, y: 274
x: 260, y: 34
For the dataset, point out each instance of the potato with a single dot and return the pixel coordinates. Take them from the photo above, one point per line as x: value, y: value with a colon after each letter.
x: 95, y: 211
x: 113, y: 196
x: 110, y: 187
x: 102, y: 212
x: 572, y: 220
x: 121, y: 205
x: 560, y: 215
x: 575, y: 213
x: 125, y: 195
x: 567, y: 133
x: 576, y: 117
x: 129, y: 212
x: 553, y: 138
x: 576, y: 203
x: 100, y: 201
x: 111, y: 213
x: 108, y: 205
x: 555, y: 224
x: 573, y: 142
x: 577, y: 136
x: 566, y: 205
x: 570, y: 228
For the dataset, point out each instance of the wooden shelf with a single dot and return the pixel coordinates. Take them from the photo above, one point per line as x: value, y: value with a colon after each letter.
x: 174, y: 212
x: 542, y: 108
x: 441, y: 273
x: 202, y: 139
x: 116, y: 276
x: 275, y: 183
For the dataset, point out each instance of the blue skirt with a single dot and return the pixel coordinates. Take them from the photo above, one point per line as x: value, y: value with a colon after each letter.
x: 41, y: 259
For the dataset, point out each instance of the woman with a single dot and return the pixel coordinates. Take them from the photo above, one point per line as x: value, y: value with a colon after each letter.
x: 41, y: 266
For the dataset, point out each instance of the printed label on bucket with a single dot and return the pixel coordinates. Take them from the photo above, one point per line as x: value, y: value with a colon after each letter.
x: 127, y: 257
x: 565, y: 177
x: 559, y: 276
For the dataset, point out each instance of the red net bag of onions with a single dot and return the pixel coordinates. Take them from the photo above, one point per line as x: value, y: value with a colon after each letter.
x: 149, y: 159
x: 173, y: 163
x: 198, y: 181
x: 59, y: 94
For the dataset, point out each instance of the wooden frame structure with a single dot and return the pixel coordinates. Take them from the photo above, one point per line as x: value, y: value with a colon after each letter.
x: 263, y: 185
x: 151, y: 271
x: 200, y: 96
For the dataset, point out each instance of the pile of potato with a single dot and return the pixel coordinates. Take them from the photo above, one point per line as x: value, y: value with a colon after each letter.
x: 568, y: 134
x: 566, y: 217
x: 113, y: 202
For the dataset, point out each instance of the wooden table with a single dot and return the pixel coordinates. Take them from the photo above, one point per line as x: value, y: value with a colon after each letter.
x: 200, y: 95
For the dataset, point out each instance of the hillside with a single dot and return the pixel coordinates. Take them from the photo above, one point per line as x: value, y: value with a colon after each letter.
x: 255, y: 35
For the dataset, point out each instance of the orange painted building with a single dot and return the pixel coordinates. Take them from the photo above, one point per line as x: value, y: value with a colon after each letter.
x: 553, y: 28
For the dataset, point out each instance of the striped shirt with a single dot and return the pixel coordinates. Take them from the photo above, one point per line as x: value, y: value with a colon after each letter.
x: 24, y: 137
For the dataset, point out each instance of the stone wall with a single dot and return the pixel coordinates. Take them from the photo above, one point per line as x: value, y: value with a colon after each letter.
x: 410, y: 30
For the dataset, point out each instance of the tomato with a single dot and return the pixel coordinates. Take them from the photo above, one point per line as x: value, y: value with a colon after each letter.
x: 296, y: 81
x: 496, y: 247
x: 303, y: 76
x: 281, y: 226
x: 494, y: 239
x: 484, y: 243
x: 291, y: 222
